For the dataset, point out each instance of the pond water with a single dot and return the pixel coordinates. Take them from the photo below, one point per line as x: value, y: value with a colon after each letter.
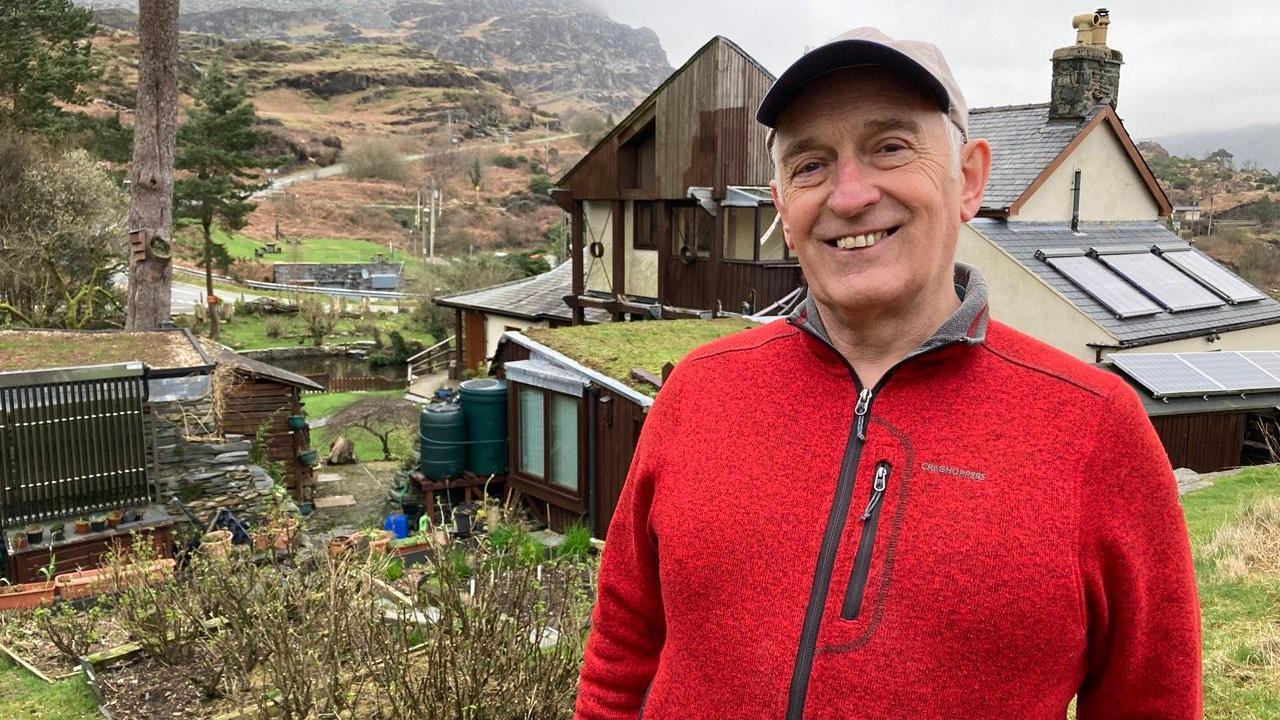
x: 338, y: 366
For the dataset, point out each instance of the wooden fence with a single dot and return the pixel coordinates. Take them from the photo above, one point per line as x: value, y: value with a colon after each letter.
x: 358, y: 382
x: 72, y: 442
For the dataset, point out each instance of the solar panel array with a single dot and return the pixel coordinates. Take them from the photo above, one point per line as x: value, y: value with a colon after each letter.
x: 1104, y: 286
x: 1134, y: 281
x: 1203, y: 373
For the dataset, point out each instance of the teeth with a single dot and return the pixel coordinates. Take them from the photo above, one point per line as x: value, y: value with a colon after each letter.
x: 858, y: 241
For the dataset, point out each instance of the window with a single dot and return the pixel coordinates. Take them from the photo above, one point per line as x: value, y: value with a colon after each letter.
x: 548, y: 442
x: 691, y: 227
x: 645, y: 230
x: 744, y: 228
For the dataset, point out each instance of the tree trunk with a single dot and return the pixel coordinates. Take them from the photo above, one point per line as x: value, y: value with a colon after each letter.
x: 151, y: 173
x: 206, y: 222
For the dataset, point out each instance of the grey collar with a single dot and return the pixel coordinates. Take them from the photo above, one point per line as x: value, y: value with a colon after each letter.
x: 968, y: 324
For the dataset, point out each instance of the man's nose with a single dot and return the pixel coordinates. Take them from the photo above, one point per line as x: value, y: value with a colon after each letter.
x: 855, y: 189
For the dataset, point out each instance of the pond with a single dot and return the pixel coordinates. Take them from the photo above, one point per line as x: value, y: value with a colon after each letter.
x: 338, y: 366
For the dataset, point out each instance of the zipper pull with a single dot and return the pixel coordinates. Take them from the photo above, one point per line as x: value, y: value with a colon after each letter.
x: 877, y: 489
x: 864, y: 401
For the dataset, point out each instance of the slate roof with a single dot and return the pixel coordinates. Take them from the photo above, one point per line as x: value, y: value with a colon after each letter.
x: 1022, y: 239
x: 1023, y: 141
x: 540, y: 297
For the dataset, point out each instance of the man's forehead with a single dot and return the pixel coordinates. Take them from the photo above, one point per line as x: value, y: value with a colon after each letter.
x: 809, y: 133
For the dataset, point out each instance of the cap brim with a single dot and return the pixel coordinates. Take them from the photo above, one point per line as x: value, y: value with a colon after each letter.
x: 835, y: 56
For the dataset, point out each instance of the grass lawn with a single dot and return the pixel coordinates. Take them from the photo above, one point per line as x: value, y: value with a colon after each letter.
x: 25, y: 697
x: 249, y: 332
x: 1239, y: 618
x: 317, y: 250
x: 322, y: 405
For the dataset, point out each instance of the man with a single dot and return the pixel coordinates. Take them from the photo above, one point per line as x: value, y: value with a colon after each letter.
x: 889, y: 506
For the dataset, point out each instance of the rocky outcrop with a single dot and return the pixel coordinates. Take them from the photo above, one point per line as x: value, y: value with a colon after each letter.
x: 340, y: 82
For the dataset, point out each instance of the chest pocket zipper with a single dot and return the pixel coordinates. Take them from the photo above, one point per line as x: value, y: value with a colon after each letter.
x: 866, y: 545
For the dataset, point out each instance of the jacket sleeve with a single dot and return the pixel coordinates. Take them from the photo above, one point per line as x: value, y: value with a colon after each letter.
x: 1142, y: 613
x: 628, y: 627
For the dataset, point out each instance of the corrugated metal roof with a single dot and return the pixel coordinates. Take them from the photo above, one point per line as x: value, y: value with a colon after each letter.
x: 540, y: 297
x: 1022, y: 239
x: 1023, y: 142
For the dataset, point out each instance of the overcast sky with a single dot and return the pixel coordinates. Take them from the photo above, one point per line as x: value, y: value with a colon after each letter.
x: 1187, y: 65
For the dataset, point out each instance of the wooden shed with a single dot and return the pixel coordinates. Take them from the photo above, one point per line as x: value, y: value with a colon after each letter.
x: 262, y: 398
x: 577, y: 400
x: 670, y: 212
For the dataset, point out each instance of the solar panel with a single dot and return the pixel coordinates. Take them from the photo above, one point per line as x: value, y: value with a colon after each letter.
x: 1104, y: 286
x: 1214, y: 276
x: 1265, y: 359
x: 1232, y: 371
x: 1166, y: 374
x: 1162, y: 281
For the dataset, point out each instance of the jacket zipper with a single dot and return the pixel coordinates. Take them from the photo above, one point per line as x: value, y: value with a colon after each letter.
x: 799, y: 689
x: 866, y: 545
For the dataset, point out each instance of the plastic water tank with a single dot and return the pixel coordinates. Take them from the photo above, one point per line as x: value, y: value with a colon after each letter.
x: 442, y: 430
x: 484, y: 403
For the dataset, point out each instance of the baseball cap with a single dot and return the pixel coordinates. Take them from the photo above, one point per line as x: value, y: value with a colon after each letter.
x: 919, y: 61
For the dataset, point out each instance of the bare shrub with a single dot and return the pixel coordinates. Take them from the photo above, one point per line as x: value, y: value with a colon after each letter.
x: 274, y: 327
x: 319, y: 318
x: 71, y: 632
x: 504, y: 644
x: 1260, y: 265
x: 375, y: 158
x: 1248, y: 546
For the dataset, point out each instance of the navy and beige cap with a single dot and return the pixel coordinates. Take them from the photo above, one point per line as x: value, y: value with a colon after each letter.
x: 919, y: 61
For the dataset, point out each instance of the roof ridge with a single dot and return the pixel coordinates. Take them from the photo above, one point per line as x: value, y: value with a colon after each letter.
x: 1000, y: 108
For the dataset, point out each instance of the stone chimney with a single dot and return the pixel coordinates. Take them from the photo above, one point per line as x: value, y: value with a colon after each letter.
x: 1086, y: 73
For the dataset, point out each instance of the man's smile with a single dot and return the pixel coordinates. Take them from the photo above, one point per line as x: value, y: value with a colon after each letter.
x: 867, y: 239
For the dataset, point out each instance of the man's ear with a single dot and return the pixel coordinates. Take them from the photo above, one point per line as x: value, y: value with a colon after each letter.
x: 975, y: 168
x: 782, y: 213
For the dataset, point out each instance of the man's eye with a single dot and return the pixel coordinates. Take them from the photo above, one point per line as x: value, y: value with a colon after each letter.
x: 892, y: 147
x: 807, y: 167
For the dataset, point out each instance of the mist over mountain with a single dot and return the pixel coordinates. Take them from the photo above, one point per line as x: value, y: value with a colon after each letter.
x: 1259, y: 144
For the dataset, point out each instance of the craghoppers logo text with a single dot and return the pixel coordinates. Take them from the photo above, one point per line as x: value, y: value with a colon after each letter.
x: 958, y: 472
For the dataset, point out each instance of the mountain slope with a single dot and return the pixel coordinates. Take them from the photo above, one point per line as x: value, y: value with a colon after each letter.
x: 561, y: 55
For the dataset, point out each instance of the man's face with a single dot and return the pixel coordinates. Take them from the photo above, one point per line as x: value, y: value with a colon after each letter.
x: 864, y: 159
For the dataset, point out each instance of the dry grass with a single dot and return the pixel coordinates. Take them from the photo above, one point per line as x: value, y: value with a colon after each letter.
x: 1247, y: 548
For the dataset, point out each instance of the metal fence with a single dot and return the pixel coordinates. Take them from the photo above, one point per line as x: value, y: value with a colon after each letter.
x: 72, y: 441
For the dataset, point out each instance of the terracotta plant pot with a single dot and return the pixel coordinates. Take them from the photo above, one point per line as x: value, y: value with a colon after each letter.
x: 82, y: 526
x: 216, y: 544
x: 378, y: 544
x: 26, y: 595
x: 340, y: 545
x: 286, y: 532
x: 87, y: 583
x: 114, y: 517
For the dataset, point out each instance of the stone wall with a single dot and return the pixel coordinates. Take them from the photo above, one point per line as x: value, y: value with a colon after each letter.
x: 202, y: 469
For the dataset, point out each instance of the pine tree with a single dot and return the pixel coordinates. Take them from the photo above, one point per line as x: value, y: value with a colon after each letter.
x: 215, y: 148
x: 44, y: 57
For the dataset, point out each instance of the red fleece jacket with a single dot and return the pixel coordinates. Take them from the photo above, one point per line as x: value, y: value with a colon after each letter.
x: 1026, y: 543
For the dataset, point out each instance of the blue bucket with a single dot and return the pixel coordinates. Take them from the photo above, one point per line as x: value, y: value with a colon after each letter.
x: 398, y: 524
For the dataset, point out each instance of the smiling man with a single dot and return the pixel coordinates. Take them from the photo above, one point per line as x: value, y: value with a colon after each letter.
x: 890, y: 505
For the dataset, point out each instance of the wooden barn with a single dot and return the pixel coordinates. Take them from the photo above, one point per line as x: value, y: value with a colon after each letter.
x: 666, y: 209
x: 263, y: 397
x: 577, y: 398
